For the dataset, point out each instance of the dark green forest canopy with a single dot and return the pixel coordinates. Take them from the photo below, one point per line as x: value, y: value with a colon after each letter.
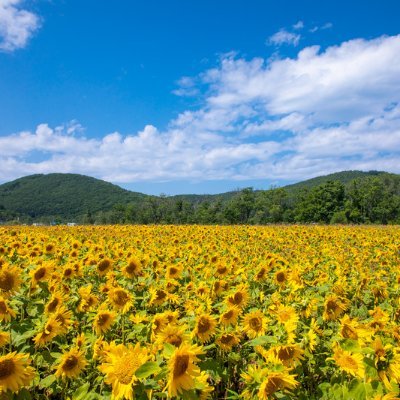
x: 343, y: 197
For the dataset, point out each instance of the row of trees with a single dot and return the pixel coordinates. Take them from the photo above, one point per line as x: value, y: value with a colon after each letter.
x: 369, y: 200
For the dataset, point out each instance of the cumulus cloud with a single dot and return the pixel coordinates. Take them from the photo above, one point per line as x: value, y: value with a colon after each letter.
x: 16, y: 25
x: 283, y: 37
x: 284, y: 119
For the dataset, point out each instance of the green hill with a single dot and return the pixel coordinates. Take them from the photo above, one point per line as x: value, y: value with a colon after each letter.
x: 72, y: 197
x: 67, y: 196
x: 344, y: 177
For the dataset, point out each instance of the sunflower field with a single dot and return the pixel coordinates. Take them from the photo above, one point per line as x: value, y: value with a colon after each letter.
x: 199, y: 312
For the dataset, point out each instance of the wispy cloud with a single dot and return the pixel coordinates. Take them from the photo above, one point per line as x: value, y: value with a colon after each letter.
x: 328, y: 25
x: 281, y: 119
x: 284, y: 37
x: 16, y: 25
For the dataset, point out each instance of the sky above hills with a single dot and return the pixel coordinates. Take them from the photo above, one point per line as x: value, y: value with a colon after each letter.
x: 200, y: 96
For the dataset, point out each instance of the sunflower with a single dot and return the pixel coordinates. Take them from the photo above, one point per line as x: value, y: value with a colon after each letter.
x: 64, y: 317
x: 4, y: 338
x: 221, y: 270
x: 254, y: 324
x: 120, y: 366
x: 334, y: 307
x: 230, y: 316
x: 50, y: 330
x: 104, y: 266
x: 287, y: 316
x: 55, y: 301
x: 158, y: 296
x: 227, y: 340
x: 172, y: 334
x: 10, y: 280
x: 182, y: 369
x: 239, y: 298
x: 205, y: 327
x: 15, y: 372
x: 387, y: 362
x: 348, y: 362
x: 88, y: 300
x: 103, y: 320
x: 288, y: 355
x: 41, y: 274
x: 274, y: 382
x: 6, y: 312
x: 120, y: 299
x: 133, y: 268
x: 174, y: 271
x: 281, y: 277
x: 71, y: 364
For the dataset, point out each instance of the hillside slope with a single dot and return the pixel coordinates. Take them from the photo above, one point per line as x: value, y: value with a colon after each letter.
x: 62, y: 195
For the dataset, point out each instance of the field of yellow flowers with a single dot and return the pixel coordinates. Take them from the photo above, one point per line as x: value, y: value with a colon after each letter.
x: 196, y: 312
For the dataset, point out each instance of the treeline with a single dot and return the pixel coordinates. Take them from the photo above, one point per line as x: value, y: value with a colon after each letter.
x: 371, y: 200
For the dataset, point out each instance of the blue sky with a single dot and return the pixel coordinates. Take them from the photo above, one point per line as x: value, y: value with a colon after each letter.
x: 199, y: 96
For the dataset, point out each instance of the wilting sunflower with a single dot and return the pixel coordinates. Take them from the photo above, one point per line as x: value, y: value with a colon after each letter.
x: 15, y: 372
x: 120, y: 366
x: 348, y: 362
x: 103, y: 321
x: 6, y: 312
x: 71, y: 364
x: 120, y: 299
x: 274, y: 382
x: 182, y: 369
x: 205, y: 327
x: 254, y: 324
x: 9, y: 279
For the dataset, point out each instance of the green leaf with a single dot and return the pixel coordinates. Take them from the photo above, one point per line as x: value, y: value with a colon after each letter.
x: 261, y: 340
x: 23, y: 394
x: 81, y: 392
x: 47, y: 382
x: 147, y: 369
x: 168, y: 350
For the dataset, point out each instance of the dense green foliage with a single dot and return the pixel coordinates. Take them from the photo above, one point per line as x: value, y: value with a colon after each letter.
x: 345, y: 197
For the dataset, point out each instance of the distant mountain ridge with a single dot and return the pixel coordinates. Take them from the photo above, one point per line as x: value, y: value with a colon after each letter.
x: 75, y: 197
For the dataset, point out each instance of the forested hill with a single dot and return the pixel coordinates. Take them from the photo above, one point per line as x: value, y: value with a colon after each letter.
x: 343, y: 197
x: 62, y: 196
x: 344, y: 177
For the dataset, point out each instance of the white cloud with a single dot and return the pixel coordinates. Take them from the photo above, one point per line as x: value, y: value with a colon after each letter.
x: 298, y: 25
x: 284, y: 37
x: 16, y: 25
x: 283, y: 119
x: 328, y: 25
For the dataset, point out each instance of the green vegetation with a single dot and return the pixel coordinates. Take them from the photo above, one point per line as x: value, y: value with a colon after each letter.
x: 345, y: 197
